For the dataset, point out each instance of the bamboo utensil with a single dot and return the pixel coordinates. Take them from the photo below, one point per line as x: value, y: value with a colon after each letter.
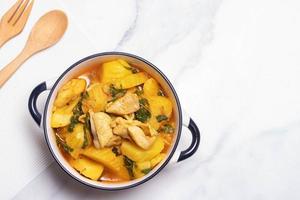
x: 48, y: 30
x: 14, y: 20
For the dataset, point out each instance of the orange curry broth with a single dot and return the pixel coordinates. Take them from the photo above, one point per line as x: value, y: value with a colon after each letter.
x: 93, y: 74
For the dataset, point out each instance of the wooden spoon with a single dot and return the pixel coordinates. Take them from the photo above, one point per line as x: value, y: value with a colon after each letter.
x: 46, y: 32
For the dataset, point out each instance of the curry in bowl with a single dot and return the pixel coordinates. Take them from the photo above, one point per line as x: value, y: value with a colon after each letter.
x: 113, y: 123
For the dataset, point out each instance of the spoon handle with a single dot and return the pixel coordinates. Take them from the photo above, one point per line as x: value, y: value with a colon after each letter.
x: 2, y: 40
x: 12, y: 67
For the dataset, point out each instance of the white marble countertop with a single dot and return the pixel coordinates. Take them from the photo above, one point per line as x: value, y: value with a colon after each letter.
x: 235, y: 65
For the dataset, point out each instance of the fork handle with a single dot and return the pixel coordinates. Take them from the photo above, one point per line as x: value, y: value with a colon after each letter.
x: 12, y: 67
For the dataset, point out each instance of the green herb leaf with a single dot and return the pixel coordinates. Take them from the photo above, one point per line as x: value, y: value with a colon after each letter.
x: 166, y: 128
x: 87, y: 130
x: 143, y: 102
x: 61, y: 143
x: 129, y: 164
x: 132, y: 69
x: 161, y: 118
x: 84, y: 95
x: 116, y: 151
x: 139, y: 91
x: 160, y: 93
x: 146, y: 171
x: 77, y: 112
x: 115, y: 92
x: 142, y: 115
x: 73, y: 121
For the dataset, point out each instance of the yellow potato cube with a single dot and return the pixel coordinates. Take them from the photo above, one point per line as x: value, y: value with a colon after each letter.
x: 61, y: 116
x: 151, y: 87
x: 106, y: 157
x: 143, y: 165
x: 87, y: 167
x: 159, y: 105
x: 75, y: 140
x: 96, y: 99
x: 131, y: 80
x: 113, y: 70
x: 157, y: 159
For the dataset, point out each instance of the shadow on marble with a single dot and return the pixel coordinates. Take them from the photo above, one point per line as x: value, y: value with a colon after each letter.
x: 53, y: 182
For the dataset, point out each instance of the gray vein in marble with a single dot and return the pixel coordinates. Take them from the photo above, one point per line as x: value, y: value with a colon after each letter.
x: 127, y: 34
x: 226, y: 136
x: 206, y: 39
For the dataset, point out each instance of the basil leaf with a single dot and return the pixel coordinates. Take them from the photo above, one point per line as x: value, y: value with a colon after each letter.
x: 116, y: 151
x: 129, y: 164
x: 146, y: 171
x: 161, y: 118
x: 61, y: 143
x: 142, y: 115
x: 166, y: 128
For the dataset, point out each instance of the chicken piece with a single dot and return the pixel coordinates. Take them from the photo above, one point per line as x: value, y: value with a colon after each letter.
x: 93, y: 130
x: 147, y: 128
x: 120, y: 126
x: 114, y: 141
x: 121, y: 130
x: 127, y: 122
x: 101, y: 130
x: 127, y: 104
x: 129, y: 117
x: 139, y: 137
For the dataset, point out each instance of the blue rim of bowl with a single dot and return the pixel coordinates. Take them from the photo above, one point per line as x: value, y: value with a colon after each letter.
x: 179, y: 123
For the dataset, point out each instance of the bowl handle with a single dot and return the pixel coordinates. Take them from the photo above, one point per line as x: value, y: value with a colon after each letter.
x: 36, y: 115
x: 191, y: 125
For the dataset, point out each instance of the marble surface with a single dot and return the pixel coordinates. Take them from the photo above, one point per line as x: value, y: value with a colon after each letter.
x: 235, y: 65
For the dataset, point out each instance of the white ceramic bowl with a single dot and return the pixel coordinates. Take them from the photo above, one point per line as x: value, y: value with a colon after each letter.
x: 90, y: 62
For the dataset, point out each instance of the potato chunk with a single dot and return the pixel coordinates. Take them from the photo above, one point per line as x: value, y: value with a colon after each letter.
x: 75, y: 140
x: 159, y: 105
x: 69, y: 91
x: 87, y: 167
x: 157, y: 159
x: 131, y: 80
x: 143, y: 168
x: 151, y: 87
x: 96, y: 99
x: 107, y: 158
x: 113, y: 70
x: 137, y: 154
x: 61, y: 116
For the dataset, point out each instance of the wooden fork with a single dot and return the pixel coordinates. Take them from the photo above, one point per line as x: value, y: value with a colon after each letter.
x: 14, y: 20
